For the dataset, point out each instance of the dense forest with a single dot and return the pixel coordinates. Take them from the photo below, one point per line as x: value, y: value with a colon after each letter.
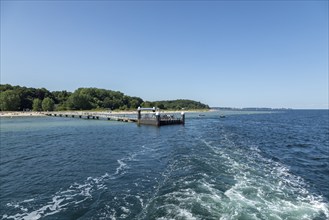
x: 18, y: 98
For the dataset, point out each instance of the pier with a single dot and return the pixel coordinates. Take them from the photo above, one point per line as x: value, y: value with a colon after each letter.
x: 156, y: 118
x: 92, y: 116
x: 144, y: 116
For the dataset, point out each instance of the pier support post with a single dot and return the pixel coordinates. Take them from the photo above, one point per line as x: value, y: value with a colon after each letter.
x: 139, y: 115
x: 157, y: 117
x: 183, y: 118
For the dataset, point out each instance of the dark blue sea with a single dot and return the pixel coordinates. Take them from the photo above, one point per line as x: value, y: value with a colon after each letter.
x: 246, y: 165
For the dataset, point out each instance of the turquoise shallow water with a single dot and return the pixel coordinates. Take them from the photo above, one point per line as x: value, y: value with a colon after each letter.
x: 272, y: 165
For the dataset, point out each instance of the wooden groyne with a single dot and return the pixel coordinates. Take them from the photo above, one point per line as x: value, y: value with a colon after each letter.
x: 151, y: 117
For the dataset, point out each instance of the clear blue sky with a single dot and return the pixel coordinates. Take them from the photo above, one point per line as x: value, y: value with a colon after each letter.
x: 222, y: 53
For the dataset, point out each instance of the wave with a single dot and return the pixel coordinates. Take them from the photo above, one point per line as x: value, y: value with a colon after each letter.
x: 71, y: 197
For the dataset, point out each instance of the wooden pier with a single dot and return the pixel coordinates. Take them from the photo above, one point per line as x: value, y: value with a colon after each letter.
x: 152, y: 117
x: 95, y: 116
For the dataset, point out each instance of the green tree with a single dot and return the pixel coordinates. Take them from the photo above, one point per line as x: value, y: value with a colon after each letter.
x: 9, y: 101
x: 48, y: 104
x: 161, y: 106
x: 147, y: 104
x: 60, y: 96
x: 60, y: 99
x: 4, y: 87
x: 79, y: 102
x: 135, y: 102
x: 37, y: 105
x: 107, y: 103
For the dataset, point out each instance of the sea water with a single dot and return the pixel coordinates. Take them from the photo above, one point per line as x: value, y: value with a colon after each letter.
x: 248, y: 165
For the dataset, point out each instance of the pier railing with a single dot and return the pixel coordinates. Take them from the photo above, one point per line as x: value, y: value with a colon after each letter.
x: 156, y: 118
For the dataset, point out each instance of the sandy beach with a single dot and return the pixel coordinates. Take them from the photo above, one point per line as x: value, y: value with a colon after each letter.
x: 40, y: 114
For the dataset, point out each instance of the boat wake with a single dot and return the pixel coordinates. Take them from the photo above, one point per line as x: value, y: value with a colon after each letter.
x: 264, y: 188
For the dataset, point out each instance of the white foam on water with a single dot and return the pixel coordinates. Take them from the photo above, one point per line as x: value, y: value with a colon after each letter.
x: 189, y: 194
x: 264, y: 188
x: 121, y: 167
x: 165, y: 218
x: 140, y: 201
x: 179, y: 204
x: 27, y: 200
x: 176, y: 212
x: 183, y: 213
x: 75, y: 194
x: 125, y: 209
x: 107, y: 216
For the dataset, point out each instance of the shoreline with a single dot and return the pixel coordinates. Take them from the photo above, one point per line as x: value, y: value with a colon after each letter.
x: 6, y: 114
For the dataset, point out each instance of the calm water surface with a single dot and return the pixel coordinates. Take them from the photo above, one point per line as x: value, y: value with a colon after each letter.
x: 244, y: 166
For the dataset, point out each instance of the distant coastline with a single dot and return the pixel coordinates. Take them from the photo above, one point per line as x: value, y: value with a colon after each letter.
x: 264, y: 109
x: 250, y: 108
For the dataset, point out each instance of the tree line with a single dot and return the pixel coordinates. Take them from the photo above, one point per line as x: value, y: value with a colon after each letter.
x: 18, y: 98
